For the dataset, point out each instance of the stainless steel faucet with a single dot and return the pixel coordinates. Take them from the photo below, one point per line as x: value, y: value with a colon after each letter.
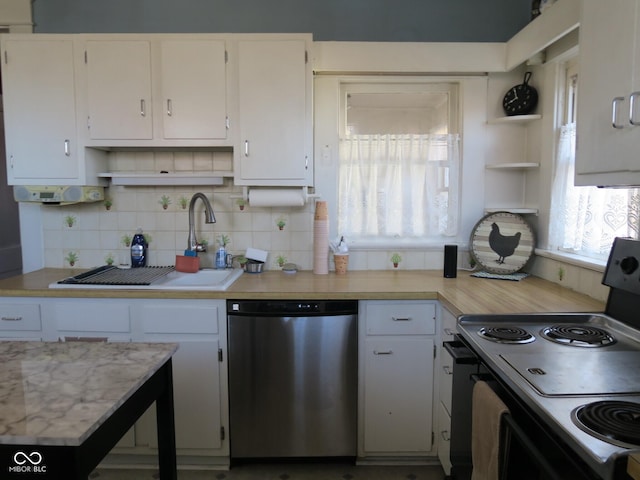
x: 193, y: 244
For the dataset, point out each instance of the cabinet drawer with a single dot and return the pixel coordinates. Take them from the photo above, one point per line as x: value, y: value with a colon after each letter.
x: 444, y: 439
x: 449, y: 325
x: 180, y: 319
x: 20, y: 317
x: 400, y: 319
x: 92, y: 317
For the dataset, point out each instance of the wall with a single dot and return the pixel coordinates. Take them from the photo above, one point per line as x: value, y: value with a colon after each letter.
x: 355, y: 20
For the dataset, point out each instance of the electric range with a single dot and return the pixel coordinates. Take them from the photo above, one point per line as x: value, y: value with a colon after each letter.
x: 577, y: 374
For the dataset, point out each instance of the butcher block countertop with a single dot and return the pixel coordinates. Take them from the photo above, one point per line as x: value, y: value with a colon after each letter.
x: 464, y: 294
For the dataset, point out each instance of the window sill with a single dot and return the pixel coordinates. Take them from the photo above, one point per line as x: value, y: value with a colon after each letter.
x: 572, y: 259
x: 401, y: 244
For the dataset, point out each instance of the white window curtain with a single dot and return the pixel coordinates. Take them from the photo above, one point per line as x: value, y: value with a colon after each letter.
x: 398, y: 186
x: 585, y: 220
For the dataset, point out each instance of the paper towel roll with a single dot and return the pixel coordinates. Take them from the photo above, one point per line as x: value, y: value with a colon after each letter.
x: 276, y: 197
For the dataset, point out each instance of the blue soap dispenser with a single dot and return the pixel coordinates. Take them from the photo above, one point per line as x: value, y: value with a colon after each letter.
x: 138, y: 250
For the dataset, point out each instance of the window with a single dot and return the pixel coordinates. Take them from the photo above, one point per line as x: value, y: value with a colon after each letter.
x: 398, y: 162
x: 585, y: 220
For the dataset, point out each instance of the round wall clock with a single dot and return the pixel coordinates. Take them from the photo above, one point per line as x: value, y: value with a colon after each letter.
x: 502, y: 242
x: 521, y: 99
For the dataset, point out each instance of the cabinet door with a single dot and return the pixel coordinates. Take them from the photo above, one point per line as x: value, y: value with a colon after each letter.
x: 274, y: 117
x: 119, y: 89
x: 196, y: 371
x: 194, y: 87
x: 40, y: 110
x: 398, y: 394
x: 605, y: 153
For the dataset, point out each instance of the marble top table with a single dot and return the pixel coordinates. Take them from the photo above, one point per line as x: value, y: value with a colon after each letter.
x: 64, y: 405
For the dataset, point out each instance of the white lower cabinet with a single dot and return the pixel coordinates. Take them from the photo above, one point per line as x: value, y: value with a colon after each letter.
x: 397, y: 349
x: 199, y: 372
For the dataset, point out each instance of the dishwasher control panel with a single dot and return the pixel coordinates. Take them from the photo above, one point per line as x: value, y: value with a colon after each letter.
x: 292, y: 307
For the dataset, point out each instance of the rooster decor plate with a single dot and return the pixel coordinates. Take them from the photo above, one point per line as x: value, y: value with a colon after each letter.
x: 502, y: 242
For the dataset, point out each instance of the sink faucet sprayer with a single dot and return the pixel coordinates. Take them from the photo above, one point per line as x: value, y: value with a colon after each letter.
x: 193, y: 244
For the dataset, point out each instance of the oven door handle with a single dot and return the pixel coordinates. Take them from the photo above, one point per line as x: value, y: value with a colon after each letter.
x: 482, y: 377
x: 460, y: 353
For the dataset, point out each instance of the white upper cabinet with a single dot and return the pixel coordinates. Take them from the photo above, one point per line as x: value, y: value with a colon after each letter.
x: 194, y: 86
x: 119, y: 102
x: 275, y: 116
x: 608, y: 138
x: 40, y: 111
x: 156, y: 91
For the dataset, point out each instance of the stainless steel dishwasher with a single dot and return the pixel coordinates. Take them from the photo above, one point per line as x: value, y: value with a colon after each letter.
x: 292, y: 378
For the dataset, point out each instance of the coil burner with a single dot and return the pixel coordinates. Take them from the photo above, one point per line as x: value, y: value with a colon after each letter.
x: 612, y: 421
x: 578, y: 335
x: 511, y: 335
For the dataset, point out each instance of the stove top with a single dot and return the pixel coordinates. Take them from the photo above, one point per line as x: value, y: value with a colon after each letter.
x: 558, y: 378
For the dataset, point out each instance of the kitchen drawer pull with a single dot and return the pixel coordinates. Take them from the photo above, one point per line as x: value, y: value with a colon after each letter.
x: 445, y: 435
x: 143, y: 108
x: 447, y: 369
x: 246, y: 148
x: 67, y: 151
x: 383, y: 352
x: 169, y: 107
x: 632, y: 108
x: 448, y: 331
x: 614, y: 111
x: 11, y: 319
x: 401, y: 319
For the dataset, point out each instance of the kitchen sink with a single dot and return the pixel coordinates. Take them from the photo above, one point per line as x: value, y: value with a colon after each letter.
x: 206, y: 279
x: 152, y: 278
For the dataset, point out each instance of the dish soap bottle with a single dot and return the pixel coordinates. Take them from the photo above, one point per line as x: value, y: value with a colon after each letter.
x: 221, y: 253
x: 138, y: 250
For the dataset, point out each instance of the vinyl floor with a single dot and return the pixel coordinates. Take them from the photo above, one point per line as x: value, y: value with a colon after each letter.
x: 311, y: 471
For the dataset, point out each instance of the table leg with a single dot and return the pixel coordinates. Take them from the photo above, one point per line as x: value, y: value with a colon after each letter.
x: 166, y: 428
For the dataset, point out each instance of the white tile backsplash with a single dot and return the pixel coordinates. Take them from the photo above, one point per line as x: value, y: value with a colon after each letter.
x: 97, y: 232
